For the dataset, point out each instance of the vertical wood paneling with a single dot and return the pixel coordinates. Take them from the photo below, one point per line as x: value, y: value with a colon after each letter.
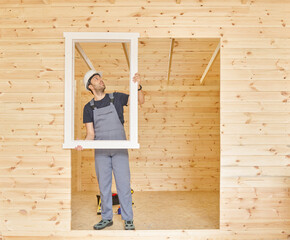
x: 254, y: 106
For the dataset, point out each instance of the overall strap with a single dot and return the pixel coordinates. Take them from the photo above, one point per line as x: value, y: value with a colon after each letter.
x: 111, y: 95
x: 92, y: 104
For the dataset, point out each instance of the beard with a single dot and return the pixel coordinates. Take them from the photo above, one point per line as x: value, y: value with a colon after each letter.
x: 103, y: 88
x: 100, y: 89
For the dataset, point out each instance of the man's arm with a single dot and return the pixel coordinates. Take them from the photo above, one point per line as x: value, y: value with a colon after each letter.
x: 141, y: 97
x: 90, y: 131
x: 90, y: 134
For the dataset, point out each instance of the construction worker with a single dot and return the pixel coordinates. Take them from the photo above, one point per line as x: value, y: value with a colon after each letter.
x: 103, y: 117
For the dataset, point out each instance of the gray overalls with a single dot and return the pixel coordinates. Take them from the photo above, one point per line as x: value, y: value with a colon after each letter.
x: 108, y: 126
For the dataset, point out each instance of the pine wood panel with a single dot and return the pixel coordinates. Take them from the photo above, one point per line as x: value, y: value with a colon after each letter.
x: 254, y: 109
x: 260, y: 160
x: 214, y: 3
x: 155, y: 235
x: 198, y: 32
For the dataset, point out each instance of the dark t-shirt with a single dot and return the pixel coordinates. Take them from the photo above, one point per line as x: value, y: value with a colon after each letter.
x: 120, y: 100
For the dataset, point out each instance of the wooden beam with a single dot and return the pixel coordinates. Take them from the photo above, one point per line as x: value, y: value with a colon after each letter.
x: 126, y: 54
x: 84, y: 56
x: 210, y: 63
x: 112, y: 1
x: 170, y: 59
x: 178, y: 1
x: 46, y: 1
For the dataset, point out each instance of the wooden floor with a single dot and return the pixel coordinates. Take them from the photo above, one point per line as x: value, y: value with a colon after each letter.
x: 153, y: 211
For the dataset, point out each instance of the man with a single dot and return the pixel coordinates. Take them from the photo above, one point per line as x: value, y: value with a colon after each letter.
x: 103, y: 117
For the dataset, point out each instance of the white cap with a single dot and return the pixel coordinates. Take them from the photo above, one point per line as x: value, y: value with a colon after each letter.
x: 88, y: 75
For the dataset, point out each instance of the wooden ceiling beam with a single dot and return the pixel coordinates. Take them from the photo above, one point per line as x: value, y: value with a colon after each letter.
x: 170, y: 59
x: 84, y: 56
x: 126, y: 54
x: 210, y: 63
x: 178, y: 1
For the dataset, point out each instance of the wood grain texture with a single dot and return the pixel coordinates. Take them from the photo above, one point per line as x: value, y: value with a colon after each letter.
x: 35, y: 184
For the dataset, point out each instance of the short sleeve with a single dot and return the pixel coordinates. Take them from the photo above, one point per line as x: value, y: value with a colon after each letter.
x: 88, y: 114
x: 122, y: 97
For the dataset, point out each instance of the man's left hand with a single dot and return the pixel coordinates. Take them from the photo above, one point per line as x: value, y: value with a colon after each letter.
x: 137, y: 78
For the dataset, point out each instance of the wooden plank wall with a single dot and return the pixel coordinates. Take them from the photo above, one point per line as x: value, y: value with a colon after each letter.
x: 35, y: 170
x: 179, y: 129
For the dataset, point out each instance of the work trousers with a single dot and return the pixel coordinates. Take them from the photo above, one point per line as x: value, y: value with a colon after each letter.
x: 116, y: 161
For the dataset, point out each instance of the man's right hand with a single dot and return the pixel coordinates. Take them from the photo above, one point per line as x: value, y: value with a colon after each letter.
x: 79, y: 148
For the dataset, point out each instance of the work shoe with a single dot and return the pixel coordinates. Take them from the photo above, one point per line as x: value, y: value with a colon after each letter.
x: 103, y: 223
x: 129, y: 225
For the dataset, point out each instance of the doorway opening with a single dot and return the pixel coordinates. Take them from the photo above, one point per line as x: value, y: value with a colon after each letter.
x: 175, y: 174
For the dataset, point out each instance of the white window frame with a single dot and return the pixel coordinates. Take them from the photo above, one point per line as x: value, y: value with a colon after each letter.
x: 75, y: 37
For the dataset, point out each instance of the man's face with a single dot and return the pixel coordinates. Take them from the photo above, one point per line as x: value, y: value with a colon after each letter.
x: 97, y: 83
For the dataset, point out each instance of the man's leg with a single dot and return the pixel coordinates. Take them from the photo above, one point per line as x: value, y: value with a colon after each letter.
x: 103, y: 162
x: 120, y: 163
